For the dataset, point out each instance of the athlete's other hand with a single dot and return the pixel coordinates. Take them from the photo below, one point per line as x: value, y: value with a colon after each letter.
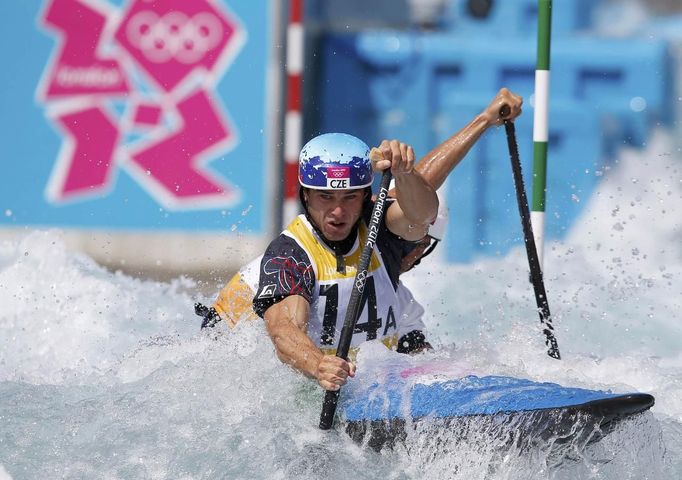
x: 397, y: 156
x: 503, y: 97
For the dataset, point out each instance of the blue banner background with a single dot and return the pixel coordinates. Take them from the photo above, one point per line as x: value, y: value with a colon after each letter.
x: 31, y: 143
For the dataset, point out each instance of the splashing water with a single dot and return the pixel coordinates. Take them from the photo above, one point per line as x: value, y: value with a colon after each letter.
x: 106, y: 376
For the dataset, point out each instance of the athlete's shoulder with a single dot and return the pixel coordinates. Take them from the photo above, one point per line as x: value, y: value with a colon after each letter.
x: 285, y: 245
x: 285, y: 269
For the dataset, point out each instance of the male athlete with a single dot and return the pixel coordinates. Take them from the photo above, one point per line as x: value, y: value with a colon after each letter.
x: 307, y: 273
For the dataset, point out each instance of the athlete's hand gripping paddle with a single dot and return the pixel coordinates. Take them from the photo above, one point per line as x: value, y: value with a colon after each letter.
x: 331, y: 398
x: 529, y: 239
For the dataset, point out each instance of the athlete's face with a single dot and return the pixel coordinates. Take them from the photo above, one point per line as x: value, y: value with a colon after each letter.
x: 334, y: 212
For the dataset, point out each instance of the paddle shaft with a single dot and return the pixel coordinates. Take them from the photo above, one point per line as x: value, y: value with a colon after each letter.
x: 529, y: 240
x: 331, y: 398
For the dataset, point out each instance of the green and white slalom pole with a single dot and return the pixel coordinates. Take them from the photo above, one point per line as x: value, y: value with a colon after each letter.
x: 541, y: 125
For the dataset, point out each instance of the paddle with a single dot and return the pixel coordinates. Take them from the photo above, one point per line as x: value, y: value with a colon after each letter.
x: 529, y: 239
x: 331, y: 398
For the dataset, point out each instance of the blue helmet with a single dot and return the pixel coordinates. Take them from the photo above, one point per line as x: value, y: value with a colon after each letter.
x: 335, y: 161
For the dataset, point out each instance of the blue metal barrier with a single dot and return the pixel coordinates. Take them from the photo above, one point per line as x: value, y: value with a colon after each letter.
x: 423, y: 87
x: 627, y: 80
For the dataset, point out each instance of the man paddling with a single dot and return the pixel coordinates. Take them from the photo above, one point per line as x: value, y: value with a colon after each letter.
x: 307, y: 273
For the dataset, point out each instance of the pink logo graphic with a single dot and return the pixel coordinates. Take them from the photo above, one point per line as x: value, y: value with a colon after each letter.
x: 78, y: 67
x: 170, y: 40
x: 338, y: 172
x: 85, y: 165
x: 101, y: 53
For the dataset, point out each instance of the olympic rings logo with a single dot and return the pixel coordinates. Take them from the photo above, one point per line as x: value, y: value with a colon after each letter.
x: 337, y: 172
x: 174, y: 35
x: 360, y: 280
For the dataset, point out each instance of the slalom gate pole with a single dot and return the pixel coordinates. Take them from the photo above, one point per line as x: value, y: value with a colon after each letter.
x: 293, y: 118
x: 531, y: 251
x: 331, y: 398
x: 541, y: 124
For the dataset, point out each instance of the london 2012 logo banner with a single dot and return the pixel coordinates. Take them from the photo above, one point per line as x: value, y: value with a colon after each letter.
x: 158, y: 62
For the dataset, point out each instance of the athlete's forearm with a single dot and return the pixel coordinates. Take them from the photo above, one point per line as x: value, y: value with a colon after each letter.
x: 436, y: 165
x: 439, y: 162
x: 284, y: 322
x: 287, y: 322
x: 295, y: 349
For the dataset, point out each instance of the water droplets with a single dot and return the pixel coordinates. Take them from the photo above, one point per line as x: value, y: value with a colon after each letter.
x: 615, y: 211
x: 638, y: 104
